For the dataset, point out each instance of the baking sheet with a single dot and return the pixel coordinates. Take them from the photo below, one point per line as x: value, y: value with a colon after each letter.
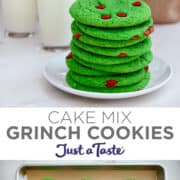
x: 120, y: 172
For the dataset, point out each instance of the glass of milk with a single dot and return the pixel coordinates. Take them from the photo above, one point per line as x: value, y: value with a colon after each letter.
x: 55, y: 23
x: 19, y: 17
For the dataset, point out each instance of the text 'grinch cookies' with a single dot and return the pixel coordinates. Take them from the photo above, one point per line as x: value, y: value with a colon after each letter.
x: 111, y: 47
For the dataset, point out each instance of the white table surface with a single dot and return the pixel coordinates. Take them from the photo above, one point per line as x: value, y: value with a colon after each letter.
x: 22, y: 84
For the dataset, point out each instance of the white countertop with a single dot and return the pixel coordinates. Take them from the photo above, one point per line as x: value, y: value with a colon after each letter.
x: 22, y: 84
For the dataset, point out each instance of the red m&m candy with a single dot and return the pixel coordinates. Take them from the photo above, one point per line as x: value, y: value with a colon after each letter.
x: 136, y: 3
x: 122, y: 55
x: 121, y: 14
x: 100, y: 7
x: 69, y: 56
x: 106, y: 16
x: 77, y: 35
x: 111, y: 83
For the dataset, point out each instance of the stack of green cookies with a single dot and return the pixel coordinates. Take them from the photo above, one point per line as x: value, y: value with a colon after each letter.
x: 111, y: 47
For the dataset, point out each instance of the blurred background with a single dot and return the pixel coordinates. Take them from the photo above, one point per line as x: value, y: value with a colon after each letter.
x: 165, y: 11
x: 51, y: 19
x: 25, y: 18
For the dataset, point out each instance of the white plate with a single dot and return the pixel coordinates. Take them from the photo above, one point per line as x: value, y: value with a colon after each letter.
x: 56, y: 69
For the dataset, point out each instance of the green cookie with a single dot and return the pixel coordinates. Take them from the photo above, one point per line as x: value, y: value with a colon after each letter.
x: 135, y: 87
x: 135, y: 50
x: 132, y: 66
x: 99, y: 59
x: 103, y: 42
x: 83, y: 70
x: 114, y: 81
x: 126, y: 33
x: 108, y: 13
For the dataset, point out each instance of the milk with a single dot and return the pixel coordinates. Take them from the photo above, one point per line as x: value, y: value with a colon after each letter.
x: 19, y: 16
x: 55, y: 22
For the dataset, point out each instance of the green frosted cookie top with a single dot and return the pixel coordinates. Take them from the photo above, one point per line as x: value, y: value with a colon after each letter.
x: 46, y: 178
x: 108, y: 13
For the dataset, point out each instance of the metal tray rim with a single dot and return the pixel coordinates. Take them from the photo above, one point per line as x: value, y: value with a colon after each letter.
x: 88, y: 163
